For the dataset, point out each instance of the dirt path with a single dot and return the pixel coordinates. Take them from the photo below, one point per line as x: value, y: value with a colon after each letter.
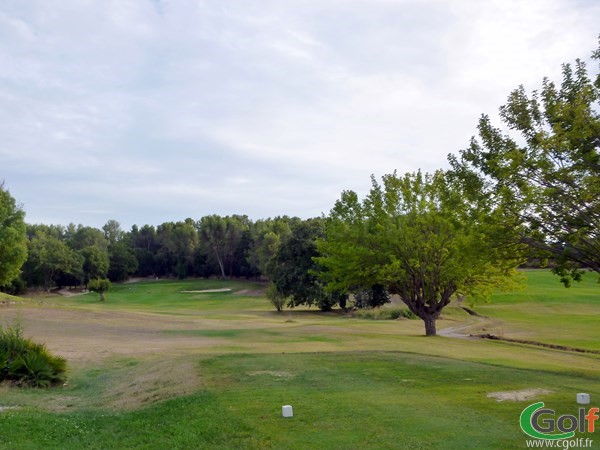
x: 468, y: 330
x: 458, y: 332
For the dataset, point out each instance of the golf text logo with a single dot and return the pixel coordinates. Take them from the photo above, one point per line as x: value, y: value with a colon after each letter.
x: 540, y: 423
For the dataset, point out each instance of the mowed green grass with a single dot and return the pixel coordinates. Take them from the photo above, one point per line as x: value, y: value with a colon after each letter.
x: 548, y: 312
x: 340, y: 400
x: 353, y: 383
x: 170, y: 296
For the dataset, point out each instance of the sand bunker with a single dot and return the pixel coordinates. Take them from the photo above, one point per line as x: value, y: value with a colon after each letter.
x: 207, y: 291
x: 518, y: 396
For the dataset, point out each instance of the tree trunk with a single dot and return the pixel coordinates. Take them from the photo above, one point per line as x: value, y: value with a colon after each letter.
x: 220, y: 262
x: 429, y: 325
x: 101, y: 296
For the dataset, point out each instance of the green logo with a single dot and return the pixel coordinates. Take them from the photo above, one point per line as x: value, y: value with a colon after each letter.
x: 530, y: 423
x: 539, y: 422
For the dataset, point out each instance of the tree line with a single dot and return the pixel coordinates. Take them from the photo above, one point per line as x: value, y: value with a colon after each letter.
x: 214, y: 246
x: 527, y: 188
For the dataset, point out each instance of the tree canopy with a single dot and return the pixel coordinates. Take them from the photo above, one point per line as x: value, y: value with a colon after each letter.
x: 295, y: 270
x: 543, y: 167
x: 13, y: 242
x: 417, y: 237
x: 50, y: 258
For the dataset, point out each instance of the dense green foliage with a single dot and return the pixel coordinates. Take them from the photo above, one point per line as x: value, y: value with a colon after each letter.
x: 13, y: 248
x: 416, y: 237
x: 279, y: 249
x: 294, y: 272
x: 26, y: 363
x: 546, y: 171
x: 371, y: 297
x: 51, y: 259
x: 231, y: 246
x: 99, y: 285
x: 225, y: 241
x: 122, y: 260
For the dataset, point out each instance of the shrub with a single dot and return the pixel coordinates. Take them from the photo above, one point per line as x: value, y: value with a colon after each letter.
x: 15, y: 287
x: 371, y: 297
x: 275, y: 297
x: 385, y: 314
x: 99, y: 285
x: 27, y: 363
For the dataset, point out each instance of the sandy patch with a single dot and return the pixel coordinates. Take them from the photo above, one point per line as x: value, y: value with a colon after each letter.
x: 518, y: 396
x: 207, y: 291
x: 273, y: 373
x: 6, y: 408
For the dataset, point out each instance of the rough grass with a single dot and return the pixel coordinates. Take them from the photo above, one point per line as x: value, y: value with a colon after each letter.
x: 153, y: 367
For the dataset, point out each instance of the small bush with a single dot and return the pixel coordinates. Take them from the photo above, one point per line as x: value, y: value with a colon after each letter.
x: 99, y: 285
x: 16, y: 287
x: 371, y: 297
x: 275, y: 297
x: 385, y: 314
x: 27, y: 363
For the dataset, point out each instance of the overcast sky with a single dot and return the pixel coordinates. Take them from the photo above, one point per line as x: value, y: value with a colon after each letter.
x: 152, y: 111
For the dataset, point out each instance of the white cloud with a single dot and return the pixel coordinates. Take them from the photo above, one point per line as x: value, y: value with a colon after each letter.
x: 146, y: 111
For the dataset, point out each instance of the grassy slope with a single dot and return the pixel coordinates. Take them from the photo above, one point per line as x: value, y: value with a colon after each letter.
x: 419, y: 393
x: 548, y: 312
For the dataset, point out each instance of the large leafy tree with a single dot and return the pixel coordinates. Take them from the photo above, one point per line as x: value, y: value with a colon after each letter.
x: 238, y: 241
x: 267, y: 236
x: 95, y: 262
x: 112, y: 231
x: 225, y: 242
x: 50, y: 259
x: 13, y: 241
x: 543, y: 167
x: 92, y: 245
x: 294, y: 271
x: 176, y: 244
x: 80, y: 237
x: 145, y: 244
x: 185, y: 241
x: 213, y: 234
x: 122, y: 259
x: 417, y: 237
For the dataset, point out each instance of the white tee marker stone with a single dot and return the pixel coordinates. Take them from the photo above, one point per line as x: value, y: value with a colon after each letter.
x: 583, y: 399
x: 286, y: 411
